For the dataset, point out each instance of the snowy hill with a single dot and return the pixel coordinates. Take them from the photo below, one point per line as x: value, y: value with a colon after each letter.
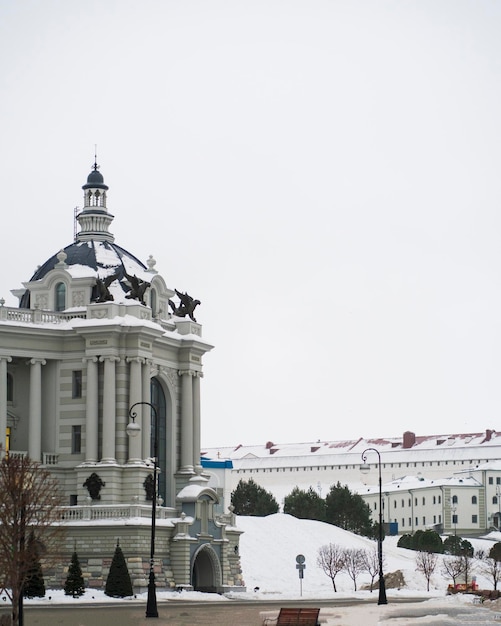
x: 269, y: 545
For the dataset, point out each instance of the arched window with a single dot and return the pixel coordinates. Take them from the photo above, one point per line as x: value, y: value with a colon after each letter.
x: 454, y: 499
x: 158, y: 401
x: 494, y: 500
x: 153, y: 302
x: 60, y: 297
x: 10, y: 388
x: 474, y: 499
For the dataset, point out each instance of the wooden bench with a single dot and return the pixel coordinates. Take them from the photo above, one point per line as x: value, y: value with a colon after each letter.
x: 295, y: 617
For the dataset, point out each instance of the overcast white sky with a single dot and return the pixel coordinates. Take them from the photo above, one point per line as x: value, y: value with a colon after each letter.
x: 323, y: 175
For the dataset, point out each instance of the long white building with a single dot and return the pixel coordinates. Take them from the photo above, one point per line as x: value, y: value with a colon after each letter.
x: 438, y: 459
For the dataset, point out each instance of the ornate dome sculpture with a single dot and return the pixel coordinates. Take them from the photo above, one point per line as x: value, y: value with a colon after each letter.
x: 115, y: 274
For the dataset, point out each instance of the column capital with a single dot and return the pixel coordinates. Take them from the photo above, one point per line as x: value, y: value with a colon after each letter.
x: 90, y: 359
x: 187, y: 373
x: 111, y: 358
x: 6, y: 358
x: 135, y: 359
x: 36, y: 360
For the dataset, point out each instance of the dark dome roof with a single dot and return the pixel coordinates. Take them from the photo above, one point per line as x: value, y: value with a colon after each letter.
x: 102, y: 257
x: 95, y: 179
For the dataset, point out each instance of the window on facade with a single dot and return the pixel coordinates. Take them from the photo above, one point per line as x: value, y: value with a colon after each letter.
x: 403, y: 503
x: 417, y: 522
x: 498, y: 481
x: 474, y: 499
x: 403, y: 522
x: 410, y: 521
x: 153, y: 302
x: 10, y: 388
x: 434, y: 500
x: 440, y: 499
x: 60, y: 297
x: 73, y: 500
x: 434, y: 519
x: 76, y: 384
x: 455, y: 519
x: 394, y: 504
x: 415, y: 501
x: 491, y: 480
x: 440, y: 519
x: 424, y: 501
x: 454, y: 499
x: 76, y: 439
x: 474, y: 519
x: 424, y: 520
x: 495, y: 500
x: 409, y: 501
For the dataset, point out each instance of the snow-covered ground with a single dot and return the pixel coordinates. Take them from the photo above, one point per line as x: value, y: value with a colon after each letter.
x: 268, y: 550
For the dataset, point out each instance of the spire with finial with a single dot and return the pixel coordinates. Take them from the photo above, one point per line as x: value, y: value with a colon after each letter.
x: 94, y: 219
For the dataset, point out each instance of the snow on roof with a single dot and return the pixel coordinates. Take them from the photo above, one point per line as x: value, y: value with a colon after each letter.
x: 447, y: 447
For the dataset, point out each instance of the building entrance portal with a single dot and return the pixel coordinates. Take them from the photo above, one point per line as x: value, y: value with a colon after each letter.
x: 206, y: 571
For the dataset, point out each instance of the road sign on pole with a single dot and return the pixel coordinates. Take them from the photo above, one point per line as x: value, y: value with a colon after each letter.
x: 300, y: 565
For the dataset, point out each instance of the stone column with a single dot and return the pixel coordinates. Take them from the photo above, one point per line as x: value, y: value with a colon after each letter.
x: 135, y: 395
x: 147, y: 452
x: 196, y: 419
x: 3, y: 402
x: 186, y: 419
x: 109, y: 408
x: 92, y: 411
x: 35, y: 410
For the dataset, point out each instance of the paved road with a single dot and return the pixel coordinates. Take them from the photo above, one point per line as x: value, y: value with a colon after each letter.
x: 237, y: 613
x: 171, y: 613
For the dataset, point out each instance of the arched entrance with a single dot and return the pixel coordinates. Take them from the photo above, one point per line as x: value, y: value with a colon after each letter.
x: 206, y: 571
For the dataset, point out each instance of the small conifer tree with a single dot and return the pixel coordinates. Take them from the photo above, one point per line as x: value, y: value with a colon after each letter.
x: 118, y: 583
x: 74, y: 584
x: 34, y: 586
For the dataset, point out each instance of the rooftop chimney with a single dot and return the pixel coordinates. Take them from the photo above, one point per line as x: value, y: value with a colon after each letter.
x: 409, y: 439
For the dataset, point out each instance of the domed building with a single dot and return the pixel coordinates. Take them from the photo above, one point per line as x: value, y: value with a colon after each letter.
x: 100, y: 347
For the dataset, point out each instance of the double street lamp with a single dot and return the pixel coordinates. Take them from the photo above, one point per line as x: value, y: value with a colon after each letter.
x: 365, y: 468
x: 133, y: 430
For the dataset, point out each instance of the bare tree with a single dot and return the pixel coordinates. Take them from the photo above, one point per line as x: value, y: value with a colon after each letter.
x: 453, y: 567
x: 353, y: 564
x: 468, y: 566
x: 370, y: 559
x: 492, y: 569
x: 330, y: 559
x: 29, y: 501
x: 426, y: 563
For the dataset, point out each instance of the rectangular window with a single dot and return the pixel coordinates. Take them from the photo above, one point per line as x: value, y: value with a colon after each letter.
x: 417, y: 522
x: 474, y: 519
x: 424, y: 521
x: 454, y: 519
x: 76, y: 386
x: 498, y: 481
x: 73, y: 500
x: 403, y: 522
x: 491, y: 480
x: 76, y: 439
x: 410, y: 521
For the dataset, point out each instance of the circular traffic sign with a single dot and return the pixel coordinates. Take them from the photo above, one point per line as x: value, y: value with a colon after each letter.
x: 300, y: 559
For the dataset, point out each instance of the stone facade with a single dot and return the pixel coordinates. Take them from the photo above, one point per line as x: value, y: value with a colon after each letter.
x: 91, y: 355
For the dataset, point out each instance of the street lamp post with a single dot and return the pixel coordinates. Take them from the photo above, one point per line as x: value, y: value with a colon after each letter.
x: 133, y: 430
x: 365, y: 468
